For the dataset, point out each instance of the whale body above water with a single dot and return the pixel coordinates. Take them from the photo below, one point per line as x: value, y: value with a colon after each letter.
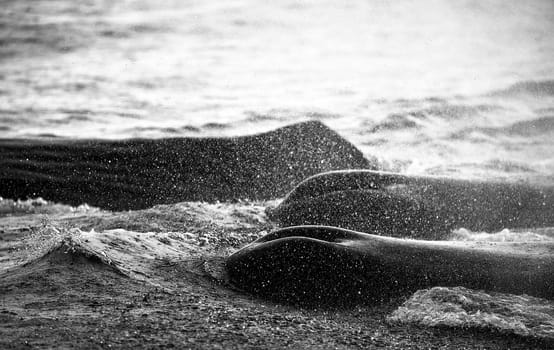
x: 140, y: 173
x: 322, y: 266
x: 423, y: 207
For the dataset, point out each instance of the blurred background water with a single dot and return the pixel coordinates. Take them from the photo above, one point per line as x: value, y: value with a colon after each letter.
x: 459, y: 88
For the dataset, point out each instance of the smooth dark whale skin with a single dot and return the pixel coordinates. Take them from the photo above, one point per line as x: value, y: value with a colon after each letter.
x: 329, y: 266
x: 139, y: 173
x: 413, y: 206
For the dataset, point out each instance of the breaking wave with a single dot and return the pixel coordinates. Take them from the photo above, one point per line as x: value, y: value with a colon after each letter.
x: 459, y: 307
x: 39, y: 206
x: 506, y: 235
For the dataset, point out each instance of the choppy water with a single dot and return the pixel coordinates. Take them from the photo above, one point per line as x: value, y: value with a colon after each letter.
x: 459, y: 88
x: 134, y: 242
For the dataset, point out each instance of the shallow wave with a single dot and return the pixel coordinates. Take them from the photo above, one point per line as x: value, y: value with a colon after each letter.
x: 215, y: 126
x: 163, y: 131
x: 465, y: 308
x: 420, y: 118
x: 132, y: 241
x: 543, y: 125
x: 39, y: 206
x: 507, y: 167
x: 71, y: 250
x: 530, y: 87
x: 215, y: 223
x: 524, y: 128
x: 66, y: 26
x: 506, y: 235
x: 277, y: 114
x: 33, y: 30
x: 452, y: 111
x: 395, y: 122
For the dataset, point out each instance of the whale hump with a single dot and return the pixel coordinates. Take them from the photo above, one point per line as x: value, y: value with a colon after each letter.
x: 423, y: 207
x: 139, y: 173
x: 330, y: 266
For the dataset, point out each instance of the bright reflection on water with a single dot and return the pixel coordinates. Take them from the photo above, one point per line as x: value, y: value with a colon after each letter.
x: 422, y: 85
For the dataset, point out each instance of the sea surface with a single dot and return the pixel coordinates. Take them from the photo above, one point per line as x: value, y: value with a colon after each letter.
x: 458, y: 88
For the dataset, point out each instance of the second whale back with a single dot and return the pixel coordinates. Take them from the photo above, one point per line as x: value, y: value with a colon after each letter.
x: 413, y: 206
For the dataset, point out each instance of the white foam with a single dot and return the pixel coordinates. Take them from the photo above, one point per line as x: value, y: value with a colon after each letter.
x: 466, y: 308
x: 506, y: 235
x: 40, y: 206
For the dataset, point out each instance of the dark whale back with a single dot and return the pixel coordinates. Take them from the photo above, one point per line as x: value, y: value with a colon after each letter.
x: 413, y: 206
x: 139, y: 173
x: 329, y: 266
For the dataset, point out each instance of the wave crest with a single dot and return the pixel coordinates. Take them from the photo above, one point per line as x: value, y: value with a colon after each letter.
x: 505, y: 235
x: 459, y: 307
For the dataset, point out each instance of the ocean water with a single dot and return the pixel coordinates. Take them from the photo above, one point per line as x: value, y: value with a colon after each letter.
x: 458, y: 88
x: 461, y: 88
x: 199, y: 236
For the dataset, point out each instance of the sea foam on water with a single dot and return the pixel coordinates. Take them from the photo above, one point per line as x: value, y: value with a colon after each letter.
x: 506, y: 235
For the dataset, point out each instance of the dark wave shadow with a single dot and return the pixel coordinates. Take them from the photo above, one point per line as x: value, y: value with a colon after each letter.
x: 526, y: 128
x: 538, y: 88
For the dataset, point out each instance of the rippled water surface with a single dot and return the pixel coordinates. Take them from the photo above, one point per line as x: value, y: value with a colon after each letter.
x: 459, y: 88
